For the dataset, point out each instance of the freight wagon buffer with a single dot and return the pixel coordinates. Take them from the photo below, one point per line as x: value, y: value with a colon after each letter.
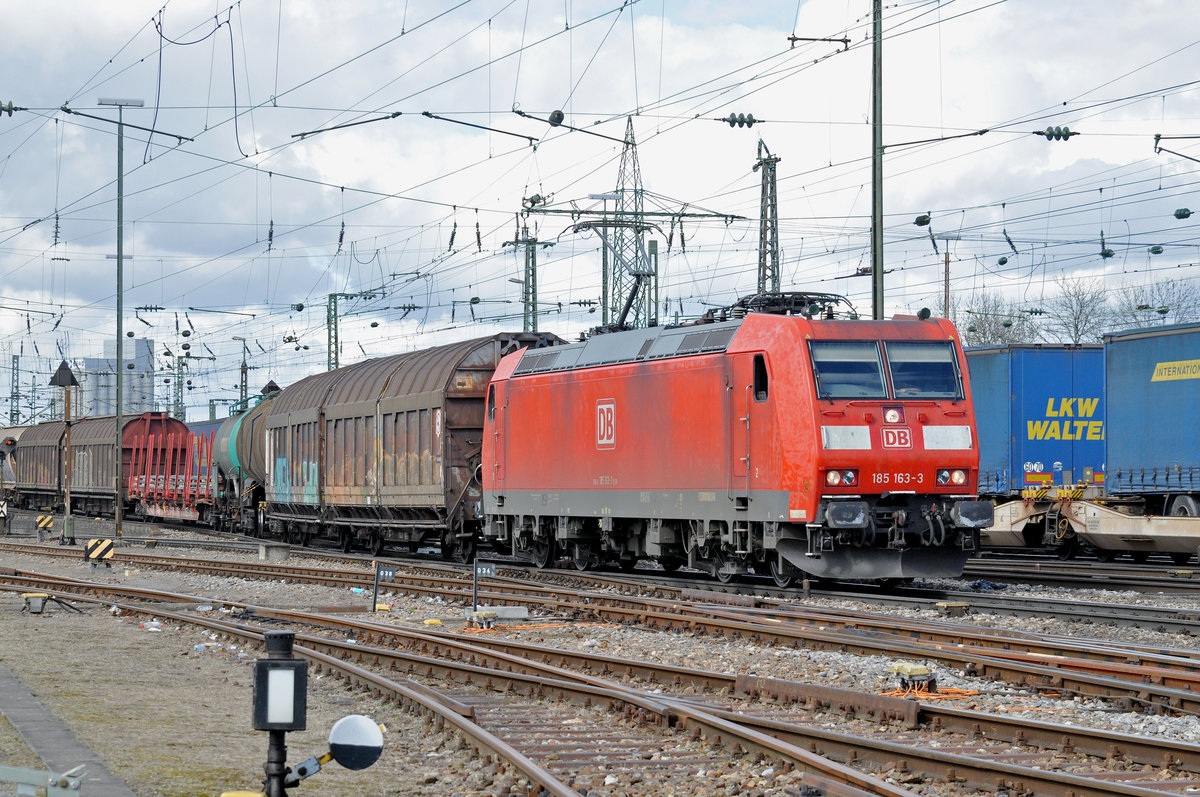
x: 771, y: 443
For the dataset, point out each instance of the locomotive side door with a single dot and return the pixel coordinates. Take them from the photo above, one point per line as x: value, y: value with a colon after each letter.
x: 495, y: 417
x: 747, y: 388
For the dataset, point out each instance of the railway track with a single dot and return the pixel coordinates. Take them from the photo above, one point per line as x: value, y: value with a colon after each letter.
x: 505, y: 693
x: 1135, y: 677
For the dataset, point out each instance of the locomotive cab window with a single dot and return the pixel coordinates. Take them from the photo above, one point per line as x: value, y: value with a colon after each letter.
x: 491, y: 403
x: 923, y: 370
x: 847, y: 369
x: 760, y: 378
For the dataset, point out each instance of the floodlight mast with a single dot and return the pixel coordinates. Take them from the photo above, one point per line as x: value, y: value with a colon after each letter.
x: 121, y: 104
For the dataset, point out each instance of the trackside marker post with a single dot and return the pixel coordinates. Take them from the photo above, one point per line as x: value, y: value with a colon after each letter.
x: 485, y: 569
x: 382, y: 573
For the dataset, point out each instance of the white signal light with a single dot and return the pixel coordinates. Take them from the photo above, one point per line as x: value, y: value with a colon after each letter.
x: 958, y: 477
x: 893, y: 415
x: 833, y: 478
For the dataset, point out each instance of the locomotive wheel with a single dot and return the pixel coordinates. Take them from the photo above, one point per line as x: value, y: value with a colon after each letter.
x: 543, y: 552
x: 581, y: 556
x: 782, y: 579
x: 671, y: 564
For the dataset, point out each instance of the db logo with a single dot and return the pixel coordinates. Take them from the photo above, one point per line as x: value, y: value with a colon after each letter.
x: 897, y: 438
x: 606, y: 423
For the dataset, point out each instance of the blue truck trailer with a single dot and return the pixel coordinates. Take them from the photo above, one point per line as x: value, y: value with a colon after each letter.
x: 1090, y: 449
x: 1154, y: 399
x: 1039, y: 411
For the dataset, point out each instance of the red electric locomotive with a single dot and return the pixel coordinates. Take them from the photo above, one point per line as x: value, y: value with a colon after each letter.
x: 789, y: 444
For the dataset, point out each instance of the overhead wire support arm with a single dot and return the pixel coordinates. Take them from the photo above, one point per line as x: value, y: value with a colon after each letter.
x: 1157, y: 148
x: 556, y: 120
x: 180, y: 138
x: 532, y: 141
x: 224, y: 312
x: 392, y: 115
x: 844, y: 42
x: 950, y: 138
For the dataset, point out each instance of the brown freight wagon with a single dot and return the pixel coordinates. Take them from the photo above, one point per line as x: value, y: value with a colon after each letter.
x: 154, y: 446
x: 386, y: 450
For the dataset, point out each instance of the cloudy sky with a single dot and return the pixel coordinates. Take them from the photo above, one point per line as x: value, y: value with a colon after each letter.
x: 234, y: 219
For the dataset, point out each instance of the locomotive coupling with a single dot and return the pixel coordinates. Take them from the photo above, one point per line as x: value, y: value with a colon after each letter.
x: 972, y: 514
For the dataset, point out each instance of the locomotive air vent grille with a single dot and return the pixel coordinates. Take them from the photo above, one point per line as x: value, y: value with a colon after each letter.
x: 719, y: 338
x: 537, y: 362
x: 716, y: 340
x: 693, y: 341
x: 645, y: 348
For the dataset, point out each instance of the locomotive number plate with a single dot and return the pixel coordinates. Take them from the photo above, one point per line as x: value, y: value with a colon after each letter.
x: 900, y: 437
x: 606, y: 423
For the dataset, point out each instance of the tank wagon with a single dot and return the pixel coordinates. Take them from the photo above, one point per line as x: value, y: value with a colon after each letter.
x: 1142, y: 495
x: 240, y: 463
x: 385, y: 451
x: 156, y: 451
x: 777, y: 443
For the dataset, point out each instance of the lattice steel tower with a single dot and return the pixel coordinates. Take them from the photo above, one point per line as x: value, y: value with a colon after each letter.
x: 629, y: 261
x: 768, y: 225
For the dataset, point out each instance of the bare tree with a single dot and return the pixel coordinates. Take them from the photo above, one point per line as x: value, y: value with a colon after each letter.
x: 993, y: 321
x: 1080, y: 313
x: 1169, y: 301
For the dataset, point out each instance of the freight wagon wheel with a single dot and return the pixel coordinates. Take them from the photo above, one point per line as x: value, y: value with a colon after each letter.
x: 1139, y: 557
x: 375, y: 543
x: 1105, y: 555
x: 1180, y: 557
x: 543, y: 552
x: 462, y: 549
x: 782, y: 578
x: 724, y: 576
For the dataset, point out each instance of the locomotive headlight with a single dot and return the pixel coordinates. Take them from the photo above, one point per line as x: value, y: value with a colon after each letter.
x: 893, y: 415
x: 955, y: 476
x: 847, y: 477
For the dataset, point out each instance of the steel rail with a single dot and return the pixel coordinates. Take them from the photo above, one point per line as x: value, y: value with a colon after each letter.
x: 843, y: 781
x: 1140, y: 750
x: 702, y: 618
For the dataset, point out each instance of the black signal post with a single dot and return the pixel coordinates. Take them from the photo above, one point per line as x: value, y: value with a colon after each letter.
x: 280, y: 703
